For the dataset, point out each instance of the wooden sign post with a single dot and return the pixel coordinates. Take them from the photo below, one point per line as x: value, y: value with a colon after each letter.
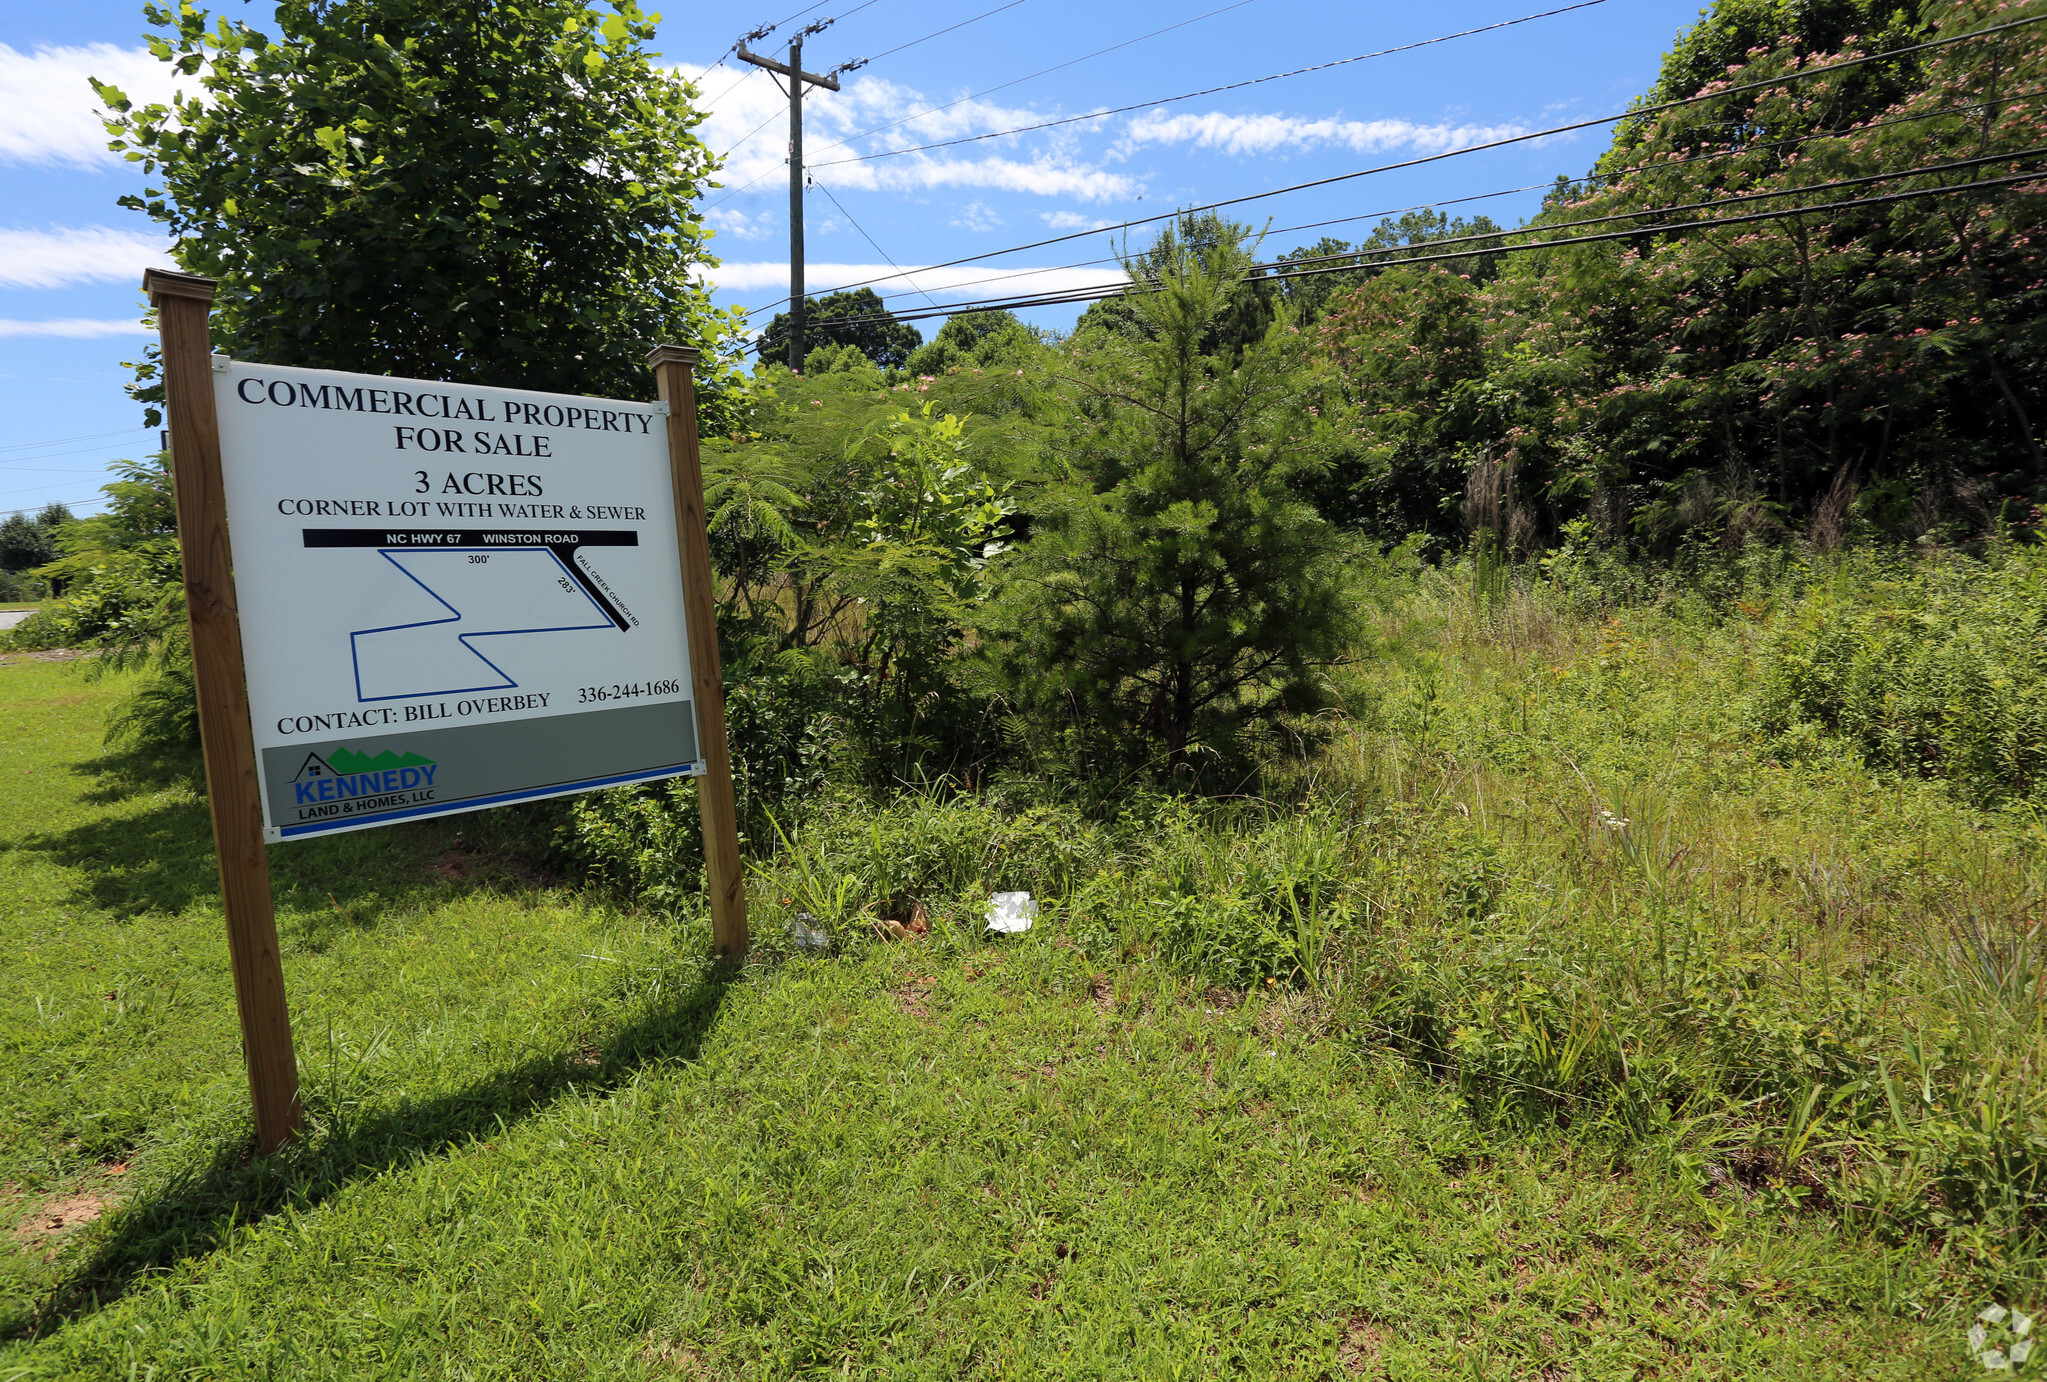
x: 673, y: 377
x: 182, y: 302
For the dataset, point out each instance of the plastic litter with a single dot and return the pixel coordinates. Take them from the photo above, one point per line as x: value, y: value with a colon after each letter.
x: 804, y: 936
x: 1011, y: 913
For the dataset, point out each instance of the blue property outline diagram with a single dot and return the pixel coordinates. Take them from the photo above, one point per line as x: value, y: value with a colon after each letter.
x: 606, y: 619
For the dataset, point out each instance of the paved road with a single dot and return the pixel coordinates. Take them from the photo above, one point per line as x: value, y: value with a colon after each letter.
x: 10, y: 617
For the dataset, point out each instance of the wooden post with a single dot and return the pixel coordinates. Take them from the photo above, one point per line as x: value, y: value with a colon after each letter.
x: 182, y: 302
x: 673, y: 366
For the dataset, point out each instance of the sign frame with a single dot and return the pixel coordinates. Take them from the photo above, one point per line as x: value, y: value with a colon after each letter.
x: 184, y: 304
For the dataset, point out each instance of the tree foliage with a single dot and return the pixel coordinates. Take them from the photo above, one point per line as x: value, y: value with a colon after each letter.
x: 26, y: 543
x: 1178, y: 586
x: 1873, y: 368
x: 501, y: 192
x: 1310, y: 294
x: 1248, y: 308
x: 886, y: 342
x: 977, y: 340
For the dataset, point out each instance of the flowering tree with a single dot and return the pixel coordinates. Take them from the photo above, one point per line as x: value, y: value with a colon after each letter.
x: 1767, y: 372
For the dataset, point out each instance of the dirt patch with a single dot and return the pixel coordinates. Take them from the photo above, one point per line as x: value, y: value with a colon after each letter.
x: 1291, y: 1010
x: 911, y: 994
x: 54, y: 1220
x: 46, y: 655
x: 456, y: 865
x: 1358, y: 1349
x: 1103, y: 991
x: 684, y: 1360
x: 464, y: 865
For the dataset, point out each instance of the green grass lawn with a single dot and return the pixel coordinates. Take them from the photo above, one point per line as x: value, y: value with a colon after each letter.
x: 545, y: 1142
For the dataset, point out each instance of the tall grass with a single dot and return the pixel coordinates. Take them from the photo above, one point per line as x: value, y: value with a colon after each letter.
x: 1553, y: 858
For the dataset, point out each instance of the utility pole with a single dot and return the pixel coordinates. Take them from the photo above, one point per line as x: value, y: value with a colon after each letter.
x: 798, y: 79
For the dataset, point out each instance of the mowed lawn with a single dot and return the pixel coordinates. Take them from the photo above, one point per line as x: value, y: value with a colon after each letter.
x: 547, y: 1143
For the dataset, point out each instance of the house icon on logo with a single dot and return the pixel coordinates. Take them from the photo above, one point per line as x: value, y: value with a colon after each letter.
x: 314, y: 766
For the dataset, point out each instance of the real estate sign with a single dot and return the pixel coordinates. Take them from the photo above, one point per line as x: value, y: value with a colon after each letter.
x: 451, y: 597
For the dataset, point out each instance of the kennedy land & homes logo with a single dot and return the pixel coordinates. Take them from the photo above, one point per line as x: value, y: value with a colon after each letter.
x: 348, y: 781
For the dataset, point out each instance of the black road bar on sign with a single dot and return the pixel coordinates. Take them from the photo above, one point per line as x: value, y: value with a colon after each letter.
x: 562, y: 543
x: 485, y: 537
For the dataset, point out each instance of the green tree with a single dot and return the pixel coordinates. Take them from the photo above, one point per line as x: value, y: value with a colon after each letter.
x: 976, y: 340
x: 118, y: 571
x: 500, y: 192
x: 886, y: 342
x: 1249, y: 308
x: 26, y: 543
x: 1874, y: 368
x: 1179, y: 587
x: 1310, y: 294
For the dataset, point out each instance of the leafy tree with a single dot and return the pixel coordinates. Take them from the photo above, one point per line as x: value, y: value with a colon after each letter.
x: 26, y: 543
x: 887, y: 342
x: 849, y: 521
x: 976, y: 340
x: 1410, y: 347
x: 499, y: 192
x: 121, y: 597
x: 1874, y: 368
x: 1179, y: 588
x: 1310, y: 294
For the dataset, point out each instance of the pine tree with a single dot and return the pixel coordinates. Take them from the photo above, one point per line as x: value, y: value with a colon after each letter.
x: 1179, y: 587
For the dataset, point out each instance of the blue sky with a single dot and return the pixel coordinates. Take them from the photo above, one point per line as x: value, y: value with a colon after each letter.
x: 71, y: 260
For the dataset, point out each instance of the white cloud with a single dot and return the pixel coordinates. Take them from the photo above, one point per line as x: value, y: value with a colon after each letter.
x: 747, y: 120
x: 1044, y: 177
x: 977, y: 216
x: 740, y: 226
x: 1256, y: 134
x: 75, y: 328
x: 49, y: 114
x: 83, y: 254
x: 1069, y: 220
x: 958, y: 282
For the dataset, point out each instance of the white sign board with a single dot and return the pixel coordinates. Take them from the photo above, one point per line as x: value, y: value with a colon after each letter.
x: 451, y: 596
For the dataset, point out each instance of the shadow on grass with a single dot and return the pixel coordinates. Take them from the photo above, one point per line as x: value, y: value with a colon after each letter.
x: 198, y: 1211
x: 160, y: 858
x: 121, y: 774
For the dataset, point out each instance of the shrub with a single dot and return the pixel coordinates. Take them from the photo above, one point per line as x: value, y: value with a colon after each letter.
x: 1940, y: 673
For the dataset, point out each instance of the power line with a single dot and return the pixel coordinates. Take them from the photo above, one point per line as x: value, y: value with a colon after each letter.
x: 1953, y: 166
x: 858, y: 63
x: 66, y: 503
x: 1408, y: 254
x: 1529, y: 187
x: 1213, y: 90
x: 1046, y: 71
x: 62, y: 441
x: 1776, y: 81
x: 772, y: 116
x: 36, y: 489
x: 870, y: 240
x: 989, y: 91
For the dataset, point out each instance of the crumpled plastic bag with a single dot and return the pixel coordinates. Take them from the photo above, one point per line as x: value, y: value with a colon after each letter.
x: 1011, y: 913
x: 805, y: 936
